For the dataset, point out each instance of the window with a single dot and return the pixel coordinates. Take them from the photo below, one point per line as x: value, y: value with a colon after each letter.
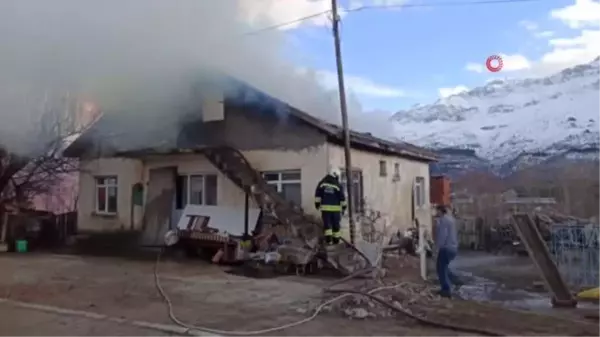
x: 106, y: 195
x: 382, y: 168
x: 287, y: 183
x: 396, y: 171
x: 357, y: 190
x: 196, y: 189
x: 420, y: 192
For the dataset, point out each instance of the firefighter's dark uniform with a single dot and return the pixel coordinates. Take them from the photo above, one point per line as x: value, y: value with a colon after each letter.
x: 330, y: 200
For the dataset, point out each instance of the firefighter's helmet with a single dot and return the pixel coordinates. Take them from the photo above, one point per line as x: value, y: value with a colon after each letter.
x: 334, y: 172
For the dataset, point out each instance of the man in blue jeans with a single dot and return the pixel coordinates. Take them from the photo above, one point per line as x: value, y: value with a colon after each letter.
x: 446, y: 242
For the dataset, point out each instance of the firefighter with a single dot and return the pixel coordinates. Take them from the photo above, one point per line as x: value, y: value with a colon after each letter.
x: 331, y: 201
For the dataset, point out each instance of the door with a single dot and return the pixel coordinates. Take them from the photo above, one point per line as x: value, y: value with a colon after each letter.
x: 157, y: 215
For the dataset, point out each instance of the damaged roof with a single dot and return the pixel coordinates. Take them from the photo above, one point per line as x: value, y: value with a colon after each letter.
x: 118, y: 135
x: 366, y: 141
x: 335, y: 133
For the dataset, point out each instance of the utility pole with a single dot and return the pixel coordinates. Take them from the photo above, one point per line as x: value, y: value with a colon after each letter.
x: 344, y: 108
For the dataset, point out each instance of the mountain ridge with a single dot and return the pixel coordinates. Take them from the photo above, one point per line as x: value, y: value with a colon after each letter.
x: 507, y: 125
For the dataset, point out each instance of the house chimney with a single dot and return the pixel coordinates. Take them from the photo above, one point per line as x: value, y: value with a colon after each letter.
x: 212, y: 106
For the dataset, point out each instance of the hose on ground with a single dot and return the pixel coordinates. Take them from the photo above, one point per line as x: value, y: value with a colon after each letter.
x: 422, y: 320
x: 190, y: 327
x: 343, y: 293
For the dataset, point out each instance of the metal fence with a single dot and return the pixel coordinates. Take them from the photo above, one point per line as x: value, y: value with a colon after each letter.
x: 575, y: 250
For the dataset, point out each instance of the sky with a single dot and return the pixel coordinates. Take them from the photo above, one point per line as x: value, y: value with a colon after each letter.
x: 397, y: 57
x: 140, y: 56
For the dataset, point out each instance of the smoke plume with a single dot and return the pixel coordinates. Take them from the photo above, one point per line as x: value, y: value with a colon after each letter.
x: 141, y: 56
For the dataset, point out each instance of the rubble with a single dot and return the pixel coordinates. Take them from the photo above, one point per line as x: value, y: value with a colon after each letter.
x: 359, y: 313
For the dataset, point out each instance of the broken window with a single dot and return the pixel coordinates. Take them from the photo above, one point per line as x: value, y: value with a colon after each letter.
x: 358, y: 205
x: 288, y: 183
x: 196, y: 189
x: 106, y: 195
x: 420, y: 192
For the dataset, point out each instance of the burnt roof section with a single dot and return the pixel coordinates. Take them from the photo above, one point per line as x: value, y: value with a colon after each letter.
x: 246, y: 93
x: 114, y: 130
x: 366, y: 141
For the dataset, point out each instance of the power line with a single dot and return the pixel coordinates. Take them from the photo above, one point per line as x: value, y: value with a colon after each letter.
x: 287, y: 23
x: 399, y: 6
x: 439, y: 4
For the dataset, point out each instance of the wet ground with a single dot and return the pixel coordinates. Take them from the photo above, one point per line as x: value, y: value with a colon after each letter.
x: 509, y: 281
x: 205, y: 294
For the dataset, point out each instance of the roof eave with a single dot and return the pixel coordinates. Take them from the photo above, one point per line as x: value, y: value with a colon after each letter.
x: 385, y: 150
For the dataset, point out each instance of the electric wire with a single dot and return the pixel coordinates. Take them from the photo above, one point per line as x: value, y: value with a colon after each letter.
x: 439, y: 4
x: 344, y: 293
x: 286, y: 23
x: 376, y: 7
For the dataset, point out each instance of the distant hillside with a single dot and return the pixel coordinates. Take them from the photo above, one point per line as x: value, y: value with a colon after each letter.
x: 508, y: 125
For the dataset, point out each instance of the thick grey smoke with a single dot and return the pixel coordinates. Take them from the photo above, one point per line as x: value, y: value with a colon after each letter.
x: 140, y: 56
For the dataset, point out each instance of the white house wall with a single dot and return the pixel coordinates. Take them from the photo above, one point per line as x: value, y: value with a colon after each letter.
x: 383, y: 194
x: 128, y: 172
x: 392, y: 198
x: 312, y: 162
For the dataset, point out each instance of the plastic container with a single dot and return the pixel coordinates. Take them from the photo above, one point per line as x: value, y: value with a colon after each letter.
x: 21, y: 246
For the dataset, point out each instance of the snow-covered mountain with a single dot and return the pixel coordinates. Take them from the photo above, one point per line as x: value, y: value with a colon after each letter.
x: 506, y: 125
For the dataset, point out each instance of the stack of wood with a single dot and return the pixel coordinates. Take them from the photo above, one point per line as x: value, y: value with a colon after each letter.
x: 554, y: 217
x: 548, y: 219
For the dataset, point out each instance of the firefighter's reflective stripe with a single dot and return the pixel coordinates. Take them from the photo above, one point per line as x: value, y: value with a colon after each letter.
x: 317, y: 199
x: 328, y: 232
x: 330, y: 208
x: 329, y: 185
x: 337, y: 234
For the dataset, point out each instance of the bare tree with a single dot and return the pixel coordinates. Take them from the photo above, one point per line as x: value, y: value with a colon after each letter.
x: 36, y: 170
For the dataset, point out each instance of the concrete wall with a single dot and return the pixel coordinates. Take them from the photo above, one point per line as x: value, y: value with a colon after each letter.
x: 312, y: 163
x: 391, y: 197
x: 128, y: 172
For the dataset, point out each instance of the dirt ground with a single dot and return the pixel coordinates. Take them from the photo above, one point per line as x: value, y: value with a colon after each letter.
x: 202, y: 294
x: 26, y: 322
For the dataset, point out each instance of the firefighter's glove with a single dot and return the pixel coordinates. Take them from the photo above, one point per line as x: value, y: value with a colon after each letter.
x: 317, y: 205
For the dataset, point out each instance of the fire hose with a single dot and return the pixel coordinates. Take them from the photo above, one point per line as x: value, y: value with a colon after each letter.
x: 195, y: 330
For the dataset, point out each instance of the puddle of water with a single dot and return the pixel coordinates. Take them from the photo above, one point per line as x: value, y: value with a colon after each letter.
x: 484, y: 290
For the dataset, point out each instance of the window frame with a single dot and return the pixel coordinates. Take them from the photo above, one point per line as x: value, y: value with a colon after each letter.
x: 278, y: 184
x: 106, y: 186
x: 188, y: 190
x: 420, y: 199
x: 383, y: 168
x: 358, y: 181
x: 397, y: 170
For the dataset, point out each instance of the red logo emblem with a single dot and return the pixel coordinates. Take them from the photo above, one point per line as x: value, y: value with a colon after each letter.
x: 494, y: 63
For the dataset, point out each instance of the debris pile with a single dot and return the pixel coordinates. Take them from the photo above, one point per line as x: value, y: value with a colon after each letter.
x: 404, y: 296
